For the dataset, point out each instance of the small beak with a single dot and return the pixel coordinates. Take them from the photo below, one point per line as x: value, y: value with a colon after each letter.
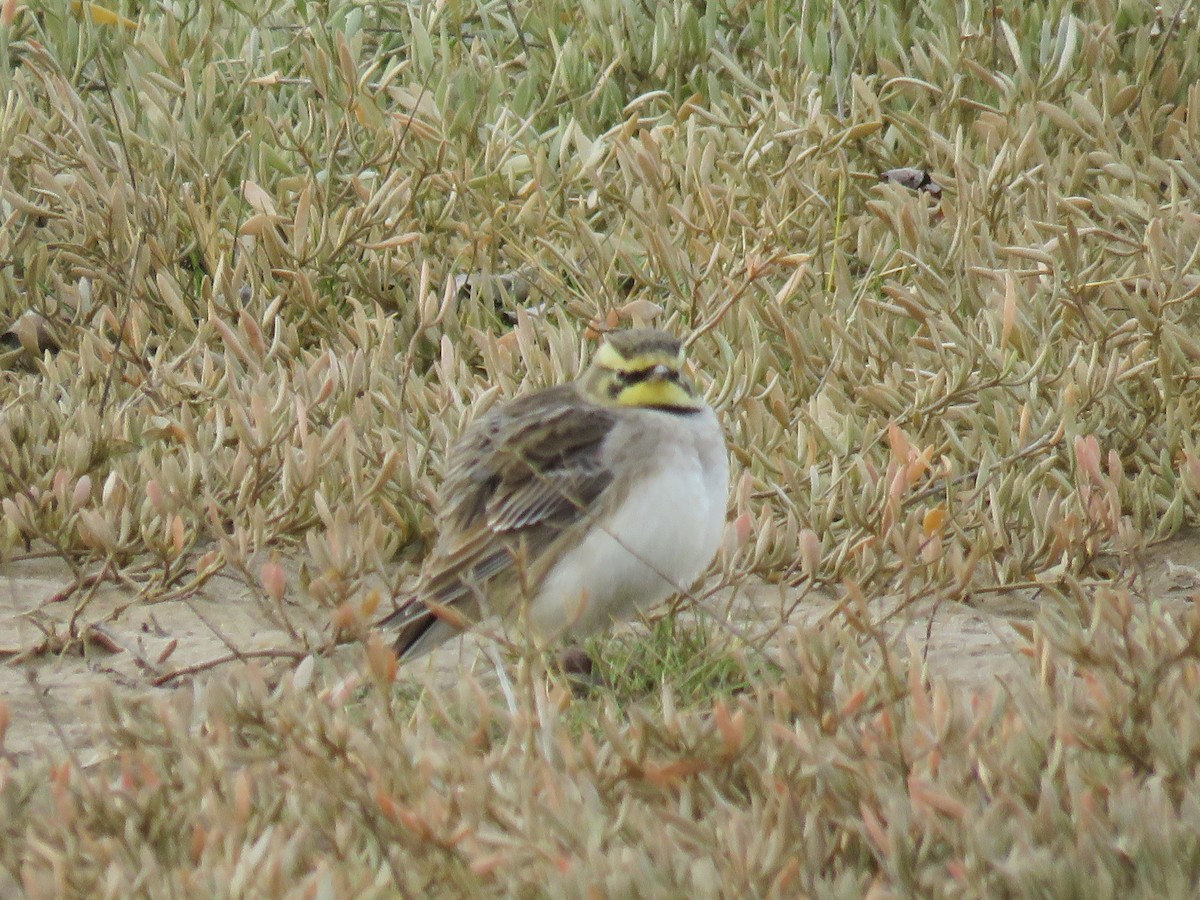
x: 662, y: 373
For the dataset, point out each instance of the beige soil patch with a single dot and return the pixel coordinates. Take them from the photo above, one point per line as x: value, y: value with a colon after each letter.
x: 50, y: 694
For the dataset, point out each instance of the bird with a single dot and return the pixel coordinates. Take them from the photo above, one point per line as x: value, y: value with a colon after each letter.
x: 576, y: 506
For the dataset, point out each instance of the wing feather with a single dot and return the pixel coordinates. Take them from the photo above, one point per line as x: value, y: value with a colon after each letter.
x: 515, y: 483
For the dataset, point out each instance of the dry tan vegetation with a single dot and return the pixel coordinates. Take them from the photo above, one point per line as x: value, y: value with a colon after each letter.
x: 279, y: 253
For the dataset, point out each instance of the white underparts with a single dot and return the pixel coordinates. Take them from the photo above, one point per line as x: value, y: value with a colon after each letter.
x: 669, y: 528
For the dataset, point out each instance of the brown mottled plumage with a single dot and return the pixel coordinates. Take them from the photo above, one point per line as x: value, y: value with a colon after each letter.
x: 526, y: 482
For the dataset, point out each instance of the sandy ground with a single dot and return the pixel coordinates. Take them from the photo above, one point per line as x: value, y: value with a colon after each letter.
x: 50, y: 692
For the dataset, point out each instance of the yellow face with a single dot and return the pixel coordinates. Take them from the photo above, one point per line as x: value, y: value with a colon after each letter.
x: 649, y: 379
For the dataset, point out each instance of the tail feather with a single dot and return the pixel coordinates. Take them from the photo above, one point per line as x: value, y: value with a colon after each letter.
x: 420, y: 626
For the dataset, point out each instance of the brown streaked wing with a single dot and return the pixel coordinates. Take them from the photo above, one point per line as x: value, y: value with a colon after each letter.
x: 515, y: 482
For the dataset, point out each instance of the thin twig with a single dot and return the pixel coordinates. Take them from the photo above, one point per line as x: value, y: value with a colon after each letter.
x: 242, y: 656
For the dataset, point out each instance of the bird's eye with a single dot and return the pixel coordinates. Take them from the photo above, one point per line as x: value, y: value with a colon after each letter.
x: 636, y: 376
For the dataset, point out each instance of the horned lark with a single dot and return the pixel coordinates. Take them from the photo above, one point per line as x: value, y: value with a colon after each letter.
x: 578, y: 505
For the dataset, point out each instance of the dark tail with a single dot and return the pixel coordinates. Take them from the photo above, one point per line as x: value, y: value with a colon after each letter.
x: 411, y: 622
